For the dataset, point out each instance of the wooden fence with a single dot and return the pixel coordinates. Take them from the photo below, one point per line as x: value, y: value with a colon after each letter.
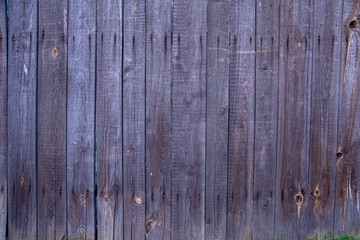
x: 179, y: 119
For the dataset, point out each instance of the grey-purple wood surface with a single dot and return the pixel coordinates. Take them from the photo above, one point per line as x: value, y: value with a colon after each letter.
x: 184, y: 119
x: 3, y: 120
x: 51, y: 119
x: 22, y: 24
x: 109, y: 181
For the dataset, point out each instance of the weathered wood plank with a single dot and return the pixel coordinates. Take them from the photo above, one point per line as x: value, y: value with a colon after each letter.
x: 109, y: 120
x: 134, y: 119
x: 347, y: 217
x: 217, y: 103
x: 266, y: 109
x: 294, y: 115
x: 188, y: 117
x: 241, y: 122
x: 3, y: 120
x: 158, y: 116
x: 80, y: 119
x: 51, y: 125
x: 22, y: 68
x: 324, y: 115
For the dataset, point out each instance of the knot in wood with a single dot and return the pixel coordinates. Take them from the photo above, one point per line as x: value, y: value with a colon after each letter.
x: 54, y: 52
x: 299, y: 199
x: 339, y: 155
x: 138, y: 200
x: 317, y: 191
x: 353, y: 24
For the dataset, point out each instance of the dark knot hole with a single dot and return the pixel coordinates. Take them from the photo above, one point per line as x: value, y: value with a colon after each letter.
x: 353, y: 24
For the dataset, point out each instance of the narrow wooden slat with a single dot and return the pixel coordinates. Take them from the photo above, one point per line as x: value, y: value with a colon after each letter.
x: 188, y: 117
x: 292, y: 198
x: 80, y: 119
x: 134, y: 119
x: 347, y: 216
x: 266, y: 109
x: 324, y: 115
x: 3, y: 120
x: 22, y: 68
x: 109, y: 120
x: 51, y: 125
x: 217, y: 119
x: 241, y: 122
x: 158, y: 80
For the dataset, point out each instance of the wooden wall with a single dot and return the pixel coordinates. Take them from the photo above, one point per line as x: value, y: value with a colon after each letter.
x: 179, y: 119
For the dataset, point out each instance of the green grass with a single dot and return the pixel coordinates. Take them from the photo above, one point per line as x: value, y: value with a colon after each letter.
x: 344, y: 237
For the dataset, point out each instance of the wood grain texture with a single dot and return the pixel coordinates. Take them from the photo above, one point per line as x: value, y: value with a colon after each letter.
x: 134, y: 119
x: 179, y: 119
x: 217, y: 117
x: 22, y: 68
x: 266, y: 109
x: 51, y: 119
x: 81, y: 119
x: 324, y: 115
x: 241, y: 122
x: 295, y: 64
x: 3, y: 120
x: 188, y: 117
x: 347, y: 217
x: 109, y: 120
x: 158, y: 119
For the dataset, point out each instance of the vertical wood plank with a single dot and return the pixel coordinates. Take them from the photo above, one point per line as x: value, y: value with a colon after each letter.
x: 22, y: 68
x: 188, y: 117
x: 3, y: 120
x: 134, y: 119
x: 324, y: 115
x: 109, y: 120
x: 80, y: 119
x: 217, y: 101
x: 158, y: 116
x: 266, y: 109
x: 241, y: 122
x: 347, y: 217
x: 51, y: 125
x: 292, y: 198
